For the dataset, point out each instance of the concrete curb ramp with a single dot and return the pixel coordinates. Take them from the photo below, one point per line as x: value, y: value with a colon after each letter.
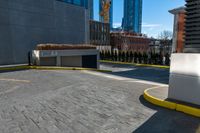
x: 49, y: 68
x: 171, y: 105
x: 135, y: 64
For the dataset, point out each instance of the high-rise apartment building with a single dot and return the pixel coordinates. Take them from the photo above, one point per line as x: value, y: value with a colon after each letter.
x: 192, y: 33
x: 132, y: 20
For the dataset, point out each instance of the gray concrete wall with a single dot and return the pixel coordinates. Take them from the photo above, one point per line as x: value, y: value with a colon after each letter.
x: 48, y: 61
x: 26, y: 23
x: 71, y: 61
x: 70, y: 58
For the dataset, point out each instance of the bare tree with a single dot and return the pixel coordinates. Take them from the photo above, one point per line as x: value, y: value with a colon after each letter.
x: 165, y: 35
x: 166, y: 41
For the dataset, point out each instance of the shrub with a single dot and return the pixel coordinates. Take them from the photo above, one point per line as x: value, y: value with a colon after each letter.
x: 131, y: 56
x: 119, y: 55
x: 123, y: 56
x: 135, y: 57
x: 49, y: 46
x: 127, y: 56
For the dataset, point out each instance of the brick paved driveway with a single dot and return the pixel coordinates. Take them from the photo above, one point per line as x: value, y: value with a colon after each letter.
x: 33, y: 101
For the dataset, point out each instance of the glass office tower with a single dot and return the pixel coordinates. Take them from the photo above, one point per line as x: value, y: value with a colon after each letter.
x: 83, y: 3
x: 91, y: 2
x: 132, y: 20
x: 88, y: 4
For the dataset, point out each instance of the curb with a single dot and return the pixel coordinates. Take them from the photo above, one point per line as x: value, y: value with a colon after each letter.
x: 135, y: 64
x: 14, y: 68
x: 49, y: 68
x: 171, y: 105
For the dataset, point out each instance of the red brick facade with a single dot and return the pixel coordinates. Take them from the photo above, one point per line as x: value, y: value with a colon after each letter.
x: 129, y: 42
x: 180, y: 32
x: 179, y: 29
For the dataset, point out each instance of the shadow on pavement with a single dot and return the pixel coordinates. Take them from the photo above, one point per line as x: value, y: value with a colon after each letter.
x: 168, y: 121
x: 158, y: 75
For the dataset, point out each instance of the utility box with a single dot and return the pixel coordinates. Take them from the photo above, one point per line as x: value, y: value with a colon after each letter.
x: 184, y: 84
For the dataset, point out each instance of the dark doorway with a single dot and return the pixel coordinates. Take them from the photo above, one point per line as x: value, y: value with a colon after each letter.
x: 89, y: 61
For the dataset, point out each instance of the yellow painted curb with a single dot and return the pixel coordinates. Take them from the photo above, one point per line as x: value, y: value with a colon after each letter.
x: 14, y: 68
x: 49, y: 68
x: 159, y: 102
x: 135, y: 64
x: 188, y: 110
x: 171, y: 105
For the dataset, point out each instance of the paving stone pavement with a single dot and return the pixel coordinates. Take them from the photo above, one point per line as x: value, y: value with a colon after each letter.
x: 77, y: 102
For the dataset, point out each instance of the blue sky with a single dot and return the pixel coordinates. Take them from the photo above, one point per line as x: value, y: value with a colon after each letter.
x: 156, y: 17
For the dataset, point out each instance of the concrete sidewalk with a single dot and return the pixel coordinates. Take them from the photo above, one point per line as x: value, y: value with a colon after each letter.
x: 159, y: 92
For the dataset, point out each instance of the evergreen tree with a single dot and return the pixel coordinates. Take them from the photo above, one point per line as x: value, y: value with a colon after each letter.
x: 101, y: 55
x: 119, y: 55
x: 145, y: 57
x: 140, y: 57
x: 156, y: 58
x: 131, y: 56
x: 123, y: 56
x: 167, y: 62
x: 112, y: 55
x: 152, y: 58
x: 135, y: 57
x: 115, y: 55
x: 109, y: 55
x: 106, y: 55
x: 127, y: 56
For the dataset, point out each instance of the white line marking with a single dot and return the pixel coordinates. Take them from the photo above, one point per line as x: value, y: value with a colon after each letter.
x: 10, y: 90
x: 14, y: 80
x: 155, y: 87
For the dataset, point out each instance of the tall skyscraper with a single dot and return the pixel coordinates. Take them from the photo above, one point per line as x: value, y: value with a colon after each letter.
x: 132, y: 20
x: 102, y: 9
x: 91, y: 9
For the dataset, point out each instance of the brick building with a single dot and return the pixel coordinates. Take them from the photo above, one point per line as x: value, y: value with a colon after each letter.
x: 100, y: 34
x: 129, y: 42
x: 179, y: 29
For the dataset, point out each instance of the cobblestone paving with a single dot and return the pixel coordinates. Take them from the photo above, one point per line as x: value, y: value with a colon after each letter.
x: 75, y: 102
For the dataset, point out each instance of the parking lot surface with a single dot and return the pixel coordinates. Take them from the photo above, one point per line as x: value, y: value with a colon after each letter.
x: 35, y: 101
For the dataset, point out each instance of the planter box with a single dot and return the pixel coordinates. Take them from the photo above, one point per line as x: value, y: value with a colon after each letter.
x: 66, y: 58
